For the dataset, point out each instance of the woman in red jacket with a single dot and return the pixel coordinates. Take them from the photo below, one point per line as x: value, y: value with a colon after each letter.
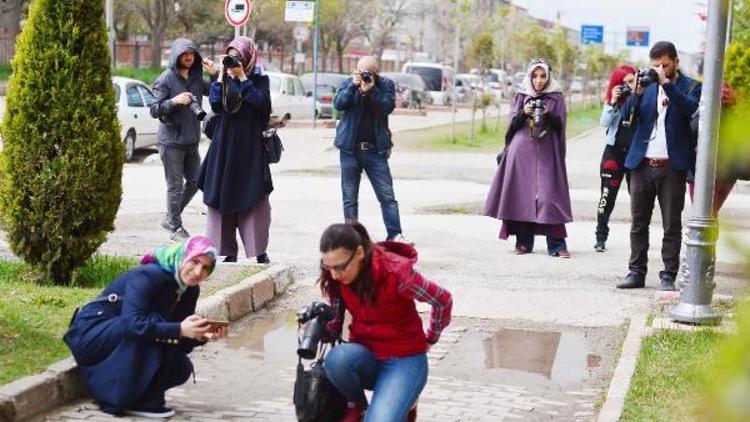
x: 387, y: 348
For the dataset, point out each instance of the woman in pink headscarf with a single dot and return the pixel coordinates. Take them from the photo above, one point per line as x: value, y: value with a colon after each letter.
x: 235, y: 177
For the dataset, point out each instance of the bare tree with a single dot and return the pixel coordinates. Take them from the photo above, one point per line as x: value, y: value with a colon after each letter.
x: 157, y: 14
x: 387, y: 15
x: 338, y: 26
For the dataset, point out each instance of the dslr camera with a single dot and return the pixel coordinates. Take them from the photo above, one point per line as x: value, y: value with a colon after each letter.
x: 366, y: 76
x: 647, y: 76
x: 316, y: 315
x: 537, y: 104
x: 230, y: 62
x: 196, y: 108
x: 625, y: 89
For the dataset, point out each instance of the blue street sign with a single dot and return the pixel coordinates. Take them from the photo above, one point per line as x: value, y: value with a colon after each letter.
x: 637, y: 36
x: 592, y: 34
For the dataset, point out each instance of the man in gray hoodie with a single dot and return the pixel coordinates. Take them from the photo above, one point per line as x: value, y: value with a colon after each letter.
x: 179, y: 131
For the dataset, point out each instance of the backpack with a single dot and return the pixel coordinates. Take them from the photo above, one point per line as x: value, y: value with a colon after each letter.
x: 315, y: 398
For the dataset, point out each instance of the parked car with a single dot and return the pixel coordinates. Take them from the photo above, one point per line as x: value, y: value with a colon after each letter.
x: 410, y: 90
x: 137, y: 128
x: 498, y: 83
x: 467, y: 87
x: 328, y: 84
x: 288, y: 96
x: 437, y: 78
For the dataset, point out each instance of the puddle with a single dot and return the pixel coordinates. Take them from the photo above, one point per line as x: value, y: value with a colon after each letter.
x: 557, y: 356
x: 271, y: 339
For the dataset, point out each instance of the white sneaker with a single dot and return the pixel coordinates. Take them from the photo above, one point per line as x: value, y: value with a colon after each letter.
x: 163, y: 412
x: 401, y: 238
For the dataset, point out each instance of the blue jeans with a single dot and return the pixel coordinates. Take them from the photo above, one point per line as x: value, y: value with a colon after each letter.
x: 376, y: 167
x: 396, y: 383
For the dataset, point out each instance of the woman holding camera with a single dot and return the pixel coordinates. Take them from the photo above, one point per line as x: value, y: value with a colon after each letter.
x: 387, y: 348
x: 131, y: 342
x: 235, y: 176
x: 619, y: 135
x: 529, y: 192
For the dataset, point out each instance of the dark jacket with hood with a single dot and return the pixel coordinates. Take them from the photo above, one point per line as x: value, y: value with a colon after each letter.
x: 179, y: 126
x: 350, y: 103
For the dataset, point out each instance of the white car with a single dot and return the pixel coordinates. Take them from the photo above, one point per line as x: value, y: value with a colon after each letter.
x: 137, y: 128
x: 288, y: 96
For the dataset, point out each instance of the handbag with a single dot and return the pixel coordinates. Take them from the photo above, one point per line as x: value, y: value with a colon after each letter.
x: 315, y: 398
x: 273, y: 145
x: 209, y: 125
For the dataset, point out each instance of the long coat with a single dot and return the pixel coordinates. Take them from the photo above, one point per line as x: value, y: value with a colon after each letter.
x: 120, y: 345
x: 235, y: 175
x: 531, y: 183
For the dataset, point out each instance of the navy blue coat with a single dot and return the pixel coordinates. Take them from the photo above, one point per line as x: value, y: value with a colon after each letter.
x: 680, y: 139
x: 120, y: 346
x: 235, y: 175
x: 349, y: 101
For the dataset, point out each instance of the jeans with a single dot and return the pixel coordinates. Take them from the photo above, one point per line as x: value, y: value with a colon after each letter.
x: 648, y: 184
x: 376, y: 167
x: 612, y: 171
x: 179, y: 164
x: 396, y: 383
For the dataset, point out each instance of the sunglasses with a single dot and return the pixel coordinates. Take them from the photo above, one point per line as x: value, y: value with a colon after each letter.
x: 340, y: 268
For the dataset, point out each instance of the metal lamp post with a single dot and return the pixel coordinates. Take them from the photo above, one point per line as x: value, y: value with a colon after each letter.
x: 700, y: 254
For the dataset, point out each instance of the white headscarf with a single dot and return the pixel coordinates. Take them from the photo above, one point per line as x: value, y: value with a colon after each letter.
x: 550, y: 86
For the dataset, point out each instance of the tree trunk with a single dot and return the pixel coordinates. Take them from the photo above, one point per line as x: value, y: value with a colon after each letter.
x: 10, y: 18
x: 155, y: 49
x: 340, y: 53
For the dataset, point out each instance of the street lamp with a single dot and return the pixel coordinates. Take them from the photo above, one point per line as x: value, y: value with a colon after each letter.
x: 700, y: 254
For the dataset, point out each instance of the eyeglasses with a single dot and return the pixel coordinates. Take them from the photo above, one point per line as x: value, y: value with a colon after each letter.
x: 338, y: 268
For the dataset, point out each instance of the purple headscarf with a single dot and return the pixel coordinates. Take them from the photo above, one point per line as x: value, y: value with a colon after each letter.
x: 246, y: 49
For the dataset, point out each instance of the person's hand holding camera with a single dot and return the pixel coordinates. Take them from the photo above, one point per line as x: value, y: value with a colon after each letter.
x: 528, y: 108
x: 616, y: 92
x: 184, y: 98
x: 357, y: 79
x: 368, y: 82
x: 662, y: 76
x: 194, y: 327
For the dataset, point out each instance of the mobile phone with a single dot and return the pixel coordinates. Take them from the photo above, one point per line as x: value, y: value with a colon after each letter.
x: 215, y: 324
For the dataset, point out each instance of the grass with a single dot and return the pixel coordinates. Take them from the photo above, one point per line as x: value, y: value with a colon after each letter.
x: 490, y: 136
x: 669, y: 373
x: 34, y: 317
x: 4, y: 71
x: 148, y: 76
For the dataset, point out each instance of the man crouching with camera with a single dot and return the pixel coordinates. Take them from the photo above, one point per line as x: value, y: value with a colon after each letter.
x: 364, y: 141
x: 179, y: 94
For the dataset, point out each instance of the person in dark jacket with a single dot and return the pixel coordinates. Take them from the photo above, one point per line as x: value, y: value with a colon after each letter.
x: 661, y: 153
x: 362, y: 136
x: 179, y: 130
x: 235, y: 176
x: 387, y: 348
x: 612, y: 168
x: 131, y: 342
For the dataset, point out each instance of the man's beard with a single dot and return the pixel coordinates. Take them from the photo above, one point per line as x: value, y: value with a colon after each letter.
x: 182, y: 66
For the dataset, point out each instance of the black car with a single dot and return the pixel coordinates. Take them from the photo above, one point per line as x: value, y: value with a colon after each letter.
x: 410, y: 89
x: 328, y: 84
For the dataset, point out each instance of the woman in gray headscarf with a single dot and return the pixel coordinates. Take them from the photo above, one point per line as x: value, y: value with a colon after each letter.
x: 235, y: 177
x: 530, y: 190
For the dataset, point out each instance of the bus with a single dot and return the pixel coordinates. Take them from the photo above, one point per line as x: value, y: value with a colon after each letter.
x: 438, y: 79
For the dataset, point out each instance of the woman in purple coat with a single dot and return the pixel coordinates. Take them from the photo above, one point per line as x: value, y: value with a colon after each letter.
x: 530, y: 190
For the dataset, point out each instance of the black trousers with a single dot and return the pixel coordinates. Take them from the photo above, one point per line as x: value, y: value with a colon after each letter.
x: 612, y: 171
x: 174, y: 371
x: 648, y: 184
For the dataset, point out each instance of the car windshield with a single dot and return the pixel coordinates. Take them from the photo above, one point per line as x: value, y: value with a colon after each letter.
x: 326, y: 81
x: 433, y: 77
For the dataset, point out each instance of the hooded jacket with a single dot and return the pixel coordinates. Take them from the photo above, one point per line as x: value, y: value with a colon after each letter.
x: 179, y: 126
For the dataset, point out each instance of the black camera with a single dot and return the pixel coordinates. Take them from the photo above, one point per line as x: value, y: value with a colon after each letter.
x: 625, y: 90
x: 647, y: 77
x: 196, y: 108
x: 366, y: 76
x: 316, y: 315
x: 230, y: 62
x: 537, y: 104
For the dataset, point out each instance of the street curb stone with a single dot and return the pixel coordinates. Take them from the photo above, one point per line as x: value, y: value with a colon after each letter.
x: 618, y: 387
x: 62, y: 382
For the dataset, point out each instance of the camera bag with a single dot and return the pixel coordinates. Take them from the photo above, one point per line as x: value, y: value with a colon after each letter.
x: 315, y: 398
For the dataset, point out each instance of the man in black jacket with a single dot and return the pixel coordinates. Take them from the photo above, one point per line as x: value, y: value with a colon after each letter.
x: 176, y: 89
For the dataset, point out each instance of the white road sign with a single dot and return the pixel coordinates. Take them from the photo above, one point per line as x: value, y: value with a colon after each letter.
x: 301, y: 33
x: 237, y: 11
x: 299, y: 11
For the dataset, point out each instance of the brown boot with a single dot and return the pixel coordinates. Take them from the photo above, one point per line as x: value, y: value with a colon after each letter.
x: 412, y: 416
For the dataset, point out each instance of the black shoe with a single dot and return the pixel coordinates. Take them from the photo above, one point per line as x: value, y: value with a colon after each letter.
x: 667, y: 282
x: 263, y: 259
x: 633, y: 281
x: 230, y: 258
x: 599, y: 246
x: 166, y: 225
x: 180, y: 234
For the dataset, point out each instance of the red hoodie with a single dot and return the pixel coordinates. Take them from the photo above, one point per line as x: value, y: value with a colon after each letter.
x: 391, y: 326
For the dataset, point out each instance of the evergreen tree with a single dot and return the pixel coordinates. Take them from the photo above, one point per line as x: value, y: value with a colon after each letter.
x: 60, y: 180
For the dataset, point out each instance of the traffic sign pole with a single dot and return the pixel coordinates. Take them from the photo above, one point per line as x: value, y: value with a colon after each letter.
x: 315, y: 61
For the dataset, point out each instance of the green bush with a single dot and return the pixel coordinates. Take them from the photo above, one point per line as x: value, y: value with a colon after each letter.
x: 148, y: 76
x: 60, y: 174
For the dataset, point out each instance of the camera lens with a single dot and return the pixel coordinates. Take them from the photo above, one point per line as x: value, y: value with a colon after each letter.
x: 230, y: 62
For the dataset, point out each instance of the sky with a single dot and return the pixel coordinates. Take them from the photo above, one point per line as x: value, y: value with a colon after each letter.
x: 671, y: 20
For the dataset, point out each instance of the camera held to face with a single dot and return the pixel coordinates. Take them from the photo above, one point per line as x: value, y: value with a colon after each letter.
x: 647, y: 76
x: 230, y: 62
x: 316, y: 315
x: 366, y: 76
x: 196, y: 108
x: 625, y: 89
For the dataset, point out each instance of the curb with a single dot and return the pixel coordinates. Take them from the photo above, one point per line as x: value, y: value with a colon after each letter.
x: 618, y: 387
x: 61, y: 383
